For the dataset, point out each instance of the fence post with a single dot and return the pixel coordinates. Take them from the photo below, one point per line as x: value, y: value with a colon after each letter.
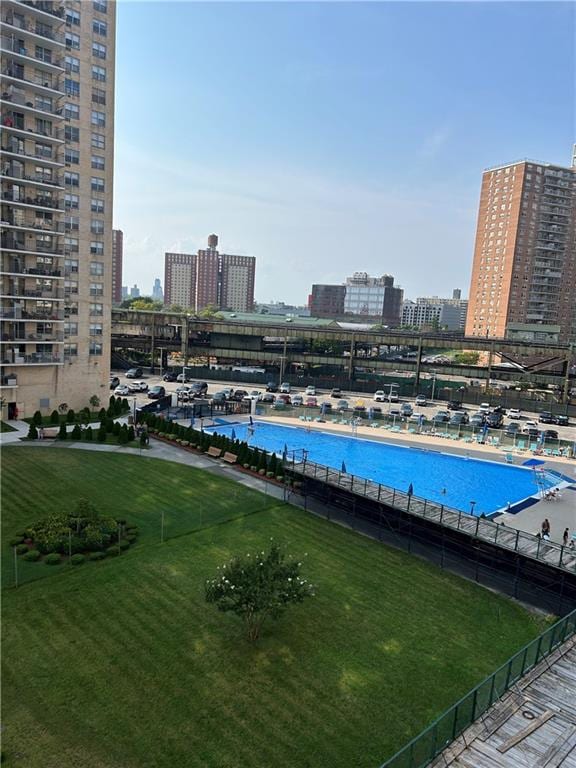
x: 477, y: 526
x: 424, y: 513
x: 441, y: 512
x: 365, y: 487
x: 474, y: 700
x: 393, y: 496
x: 379, y: 489
x: 455, y: 724
x: 517, y: 539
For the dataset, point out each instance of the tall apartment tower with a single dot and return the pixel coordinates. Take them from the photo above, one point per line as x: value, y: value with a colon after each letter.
x: 56, y: 223
x: 209, y: 278
x: 524, y: 271
x: 117, y: 260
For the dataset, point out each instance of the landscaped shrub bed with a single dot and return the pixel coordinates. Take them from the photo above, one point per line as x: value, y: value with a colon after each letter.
x: 80, y: 535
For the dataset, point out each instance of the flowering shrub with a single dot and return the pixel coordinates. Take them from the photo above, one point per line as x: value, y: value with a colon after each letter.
x: 258, y: 586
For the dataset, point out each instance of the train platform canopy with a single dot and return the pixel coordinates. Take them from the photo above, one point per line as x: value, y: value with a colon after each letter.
x: 266, y: 319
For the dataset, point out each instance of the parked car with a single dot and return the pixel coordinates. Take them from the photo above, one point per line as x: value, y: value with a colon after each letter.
x: 484, y: 408
x: 342, y: 405
x: 138, y: 386
x: 495, y: 420
x: 219, y: 397
x: 380, y: 396
x: 528, y: 426
x: 562, y: 421
x: 477, y: 420
x: 297, y: 400
x: 395, y: 413
x: 546, y: 417
x: 156, y: 392
x: 184, y: 377
x: 406, y: 409
x: 285, y: 387
x: 121, y: 391
x: 439, y: 418
x: 421, y: 400
x: 114, y: 382
x: 271, y: 386
x: 532, y: 433
x: 455, y: 405
x: 325, y: 405
x: 457, y: 419
x: 200, y: 388
x: 393, y: 397
x: 239, y: 395
x: 442, y: 416
x: 514, y: 413
x: 310, y: 390
x: 266, y: 397
x: 282, y: 397
x: 183, y: 394
x: 228, y: 391
x: 169, y: 376
x: 311, y: 402
x: 254, y: 395
x: 511, y: 430
x: 499, y: 409
x: 417, y: 418
x: 336, y: 392
x: 134, y: 373
x: 550, y: 434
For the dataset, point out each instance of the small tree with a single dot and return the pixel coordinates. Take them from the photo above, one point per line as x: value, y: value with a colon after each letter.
x: 77, y: 432
x: 258, y: 586
x: 32, y: 432
x: 71, y: 416
x: 62, y: 434
x: 54, y: 418
x: 94, y: 402
x: 37, y: 419
x: 88, y: 434
x: 102, y: 415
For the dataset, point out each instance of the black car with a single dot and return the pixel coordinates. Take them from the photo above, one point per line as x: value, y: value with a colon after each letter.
x: 477, y: 420
x: 336, y: 392
x: 156, y: 392
x: 457, y: 419
x: 546, y: 417
x: 499, y: 409
x: 550, y: 434
x: 114, y: 382
x: 512, y: 429
x: 134, y: 373
x: 271, y: 386
x: 533, y: 433
x: 199, y: 389
x: 454, y: 405
x: 169, y: 377
x: 562, y: 421
x: 239, y: 395
x: 494, y: 420
x: 266, y: 397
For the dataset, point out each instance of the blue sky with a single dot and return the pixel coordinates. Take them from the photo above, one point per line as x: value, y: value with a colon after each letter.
x: 330, y: 137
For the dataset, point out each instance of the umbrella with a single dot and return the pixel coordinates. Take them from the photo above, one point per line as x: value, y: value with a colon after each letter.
x: 233, y: 434
x: 410, y: 489
x: 343, y: 468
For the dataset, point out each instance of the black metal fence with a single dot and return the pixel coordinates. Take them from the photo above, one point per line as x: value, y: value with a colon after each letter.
x: 429, y: 744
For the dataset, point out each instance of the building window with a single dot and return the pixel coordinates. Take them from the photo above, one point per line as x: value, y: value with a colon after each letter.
x: 95, y: 348
x: 99, y: 27
x: 71, y: 350
x: 96, y: 268
x: 70, y: 266
x: 97, y: 184
x: 98, y: 73
x: 98, y: 162
x: 71, y: 133
x: 98, y: 96
x: 96, y: 248
x: 43, y: 150
x: 43, y: 102
x: 97, y: 206
x: 95, y: 329
x: 98, y: 118
x: 72, y: 65
x: 71, y: 245
x: 99, y: 50
x: 43, y: 54
x: 71, y: 87
x: 70, y: 307
x: 71, y: 179
x: 96, y: 289
x: 72, y: 223
x: 71, y: 202
x: 70, y: 329
x: 98, y: 141
x: 71, y: 111
x: 97, y: 227
x: 72, y: 18
x: 100, y: 5
x: 96, y: 310
x: 71, y: 287
x: 72, y: 41
x: 72, y: 156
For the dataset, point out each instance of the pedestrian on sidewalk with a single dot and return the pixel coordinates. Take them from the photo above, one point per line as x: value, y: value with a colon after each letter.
x: 565, y: 537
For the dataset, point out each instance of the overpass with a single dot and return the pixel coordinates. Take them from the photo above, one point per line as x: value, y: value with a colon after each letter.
x: 275, y: 342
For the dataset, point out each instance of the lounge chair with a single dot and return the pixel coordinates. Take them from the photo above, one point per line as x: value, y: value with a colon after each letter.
x: 534, y: 446
x: 509, y: 458
x: 375, y: 425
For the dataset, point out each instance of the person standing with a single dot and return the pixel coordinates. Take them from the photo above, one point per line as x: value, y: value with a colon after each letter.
x: 546, y: 528
x: 565, y: 537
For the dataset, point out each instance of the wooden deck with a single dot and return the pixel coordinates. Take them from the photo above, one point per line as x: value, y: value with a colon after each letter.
x: 532, y: 726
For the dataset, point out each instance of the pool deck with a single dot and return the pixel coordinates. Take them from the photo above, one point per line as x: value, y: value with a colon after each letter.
x: 561, y: 512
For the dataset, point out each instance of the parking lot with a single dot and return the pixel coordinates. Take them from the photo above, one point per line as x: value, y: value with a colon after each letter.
x: 419, y: 412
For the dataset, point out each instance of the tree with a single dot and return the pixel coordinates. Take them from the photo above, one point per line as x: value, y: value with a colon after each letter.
x: 37, y: 419
x: 258, y: 586
x: 71, y: 417
x: 32, y: 432
x: 210, y: 312
x: 176, y: 308
x: 94, y: 402
x: 142, y: 302
x: 62, y: 434
x: 54, y: 418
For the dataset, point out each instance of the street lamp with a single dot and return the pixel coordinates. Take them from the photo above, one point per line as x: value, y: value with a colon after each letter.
x: 433, y: 384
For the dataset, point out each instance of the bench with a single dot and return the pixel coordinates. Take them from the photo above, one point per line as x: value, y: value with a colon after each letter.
x: 50, y: 433
x: 215, y: 452
x: 231, y: 458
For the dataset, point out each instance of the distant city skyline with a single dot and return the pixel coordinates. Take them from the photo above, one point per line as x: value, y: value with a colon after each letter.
x: 337, y: 136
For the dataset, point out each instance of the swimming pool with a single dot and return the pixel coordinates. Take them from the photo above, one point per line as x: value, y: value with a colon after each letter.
x: 442, y: 477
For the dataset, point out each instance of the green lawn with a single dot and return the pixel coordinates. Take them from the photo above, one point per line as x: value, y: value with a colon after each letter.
x: 122, y: 663
x: 6, y: 427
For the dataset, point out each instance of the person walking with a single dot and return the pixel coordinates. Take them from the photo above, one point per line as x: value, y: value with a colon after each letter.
x: 565, y: 537
x: 546, y: 528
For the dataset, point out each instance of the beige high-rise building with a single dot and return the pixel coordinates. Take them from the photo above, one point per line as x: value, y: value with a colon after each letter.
x: 58, y: 62
x: 524, y: 272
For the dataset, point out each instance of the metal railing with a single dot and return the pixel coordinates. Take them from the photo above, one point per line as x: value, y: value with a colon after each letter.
x: 498, y: 534
x: 429, y: 744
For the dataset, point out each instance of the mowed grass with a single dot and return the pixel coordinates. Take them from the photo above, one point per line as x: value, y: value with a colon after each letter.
x: 122, y: 663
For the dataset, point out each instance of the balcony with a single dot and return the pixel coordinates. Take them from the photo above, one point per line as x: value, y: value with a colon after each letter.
x: 15, y: 151
x: 9, y: 382
x: 45, y: 60
x: 41, y: 7
x: 23, y: 102
x: 34, y: 225
x: 37, y: 29
x: 35, y: 180
x: 14, y: 356
x: 8, y: 198
x: 14, y: 123
x: 24, y: 315
x: 39, y: 84
x: 11, y: 267
x: 56, y: 337
x: 9, y: 244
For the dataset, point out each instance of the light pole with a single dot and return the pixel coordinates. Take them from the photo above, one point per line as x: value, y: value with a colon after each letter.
x: 472, y: 505
x: 134, y: 411
x: 433, y: 384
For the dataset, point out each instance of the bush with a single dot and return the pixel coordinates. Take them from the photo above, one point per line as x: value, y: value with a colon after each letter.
x: 31, y: 556
x: 54, y: 417
x: 116, y: 428
x: 131, y: 537
x: 88, y: 434
x: 102, y: 434
x: 112, y: 551
x: 246, y: 466
x: 71, y: 416
x: 270, y: 474
x: 109, y: 425
x: 262, y: 472
x: 32, y: 432
x: 131, y: 434
x: 37, y: 419
x: 16, y: 540
x: 21, y: 549
x: 125, y: 544
x: 62, y: 434
x: 97, y: 555
x: 53, y: 559
x: 280, y: 478
x: 77, y: 432
x: 102, y: 415
x: 77, y: 559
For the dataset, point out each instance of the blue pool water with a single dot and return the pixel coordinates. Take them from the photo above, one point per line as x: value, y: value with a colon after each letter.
x: 490, y: 484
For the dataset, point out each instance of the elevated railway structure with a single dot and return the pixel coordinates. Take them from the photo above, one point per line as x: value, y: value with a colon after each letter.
x: 281, y: 344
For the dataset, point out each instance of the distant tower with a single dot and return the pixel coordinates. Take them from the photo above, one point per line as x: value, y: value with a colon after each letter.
x: 456, y: 293
x: 212, y: 242
x: 157, y: 293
